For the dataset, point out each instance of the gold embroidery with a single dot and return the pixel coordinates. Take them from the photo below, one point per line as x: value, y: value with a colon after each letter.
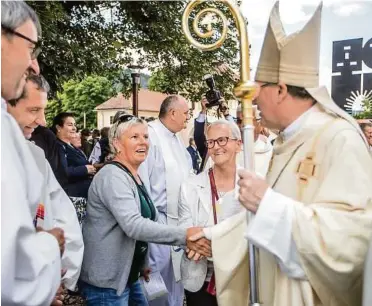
x: 271, y: 163
x: 306, y: 168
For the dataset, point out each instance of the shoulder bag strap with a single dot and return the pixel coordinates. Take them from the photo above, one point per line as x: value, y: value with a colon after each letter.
x: 214, y: 194
x: 140, y: 188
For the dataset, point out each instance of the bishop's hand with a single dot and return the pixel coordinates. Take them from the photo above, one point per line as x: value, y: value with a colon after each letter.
x: 252, y: 190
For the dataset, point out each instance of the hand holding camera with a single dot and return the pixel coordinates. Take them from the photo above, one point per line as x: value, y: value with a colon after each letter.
x: 213, y: 95
x: 204, y: 103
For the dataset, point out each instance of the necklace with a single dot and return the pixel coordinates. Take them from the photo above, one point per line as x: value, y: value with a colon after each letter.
x: 221, y: 193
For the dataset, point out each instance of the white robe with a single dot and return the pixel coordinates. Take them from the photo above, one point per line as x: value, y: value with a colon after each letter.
x: 163, y: 172
x: 30, y: 261
x: 367, y: 288
x: 327, y: 201
x: 60, y: 212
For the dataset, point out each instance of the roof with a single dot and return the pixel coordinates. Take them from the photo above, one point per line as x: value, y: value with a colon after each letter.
x: 147, y: 101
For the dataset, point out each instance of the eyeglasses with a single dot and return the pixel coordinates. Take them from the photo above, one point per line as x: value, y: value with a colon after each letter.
x: 222, y: 141
x: 36, y: 50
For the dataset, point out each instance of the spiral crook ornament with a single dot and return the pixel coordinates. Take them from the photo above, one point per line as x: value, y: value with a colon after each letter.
x: 205, y: 13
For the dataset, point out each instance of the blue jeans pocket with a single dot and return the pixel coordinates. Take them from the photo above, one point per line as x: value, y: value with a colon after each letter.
x: 132, y: 296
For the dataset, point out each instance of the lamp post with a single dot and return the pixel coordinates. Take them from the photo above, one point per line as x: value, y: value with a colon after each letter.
x: 136, y: 81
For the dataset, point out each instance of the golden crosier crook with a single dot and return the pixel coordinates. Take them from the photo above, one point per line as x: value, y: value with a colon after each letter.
x: 244, y: 90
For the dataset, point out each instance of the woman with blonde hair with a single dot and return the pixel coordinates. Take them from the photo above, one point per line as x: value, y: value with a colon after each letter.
x: 121, y: 221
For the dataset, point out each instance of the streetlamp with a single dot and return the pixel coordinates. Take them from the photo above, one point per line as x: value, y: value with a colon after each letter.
x: 136, y: 81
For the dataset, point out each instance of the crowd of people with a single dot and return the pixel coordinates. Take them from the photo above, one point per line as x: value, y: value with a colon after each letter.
x: 131, y: 216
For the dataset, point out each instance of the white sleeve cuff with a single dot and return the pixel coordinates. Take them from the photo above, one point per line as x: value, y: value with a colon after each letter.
x: 201, y: 118
x: 48, y: 245
x: 271, y: 230
x: 207, y: 233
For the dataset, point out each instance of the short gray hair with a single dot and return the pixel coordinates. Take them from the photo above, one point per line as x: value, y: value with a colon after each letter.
x: 118, y: 128
x: 364, y: 125
x: 235, y: 131
x: 167, y: 104
x: 16, y: 13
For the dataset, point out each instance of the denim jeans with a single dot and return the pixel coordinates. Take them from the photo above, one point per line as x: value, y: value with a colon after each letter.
x: 132, y: 296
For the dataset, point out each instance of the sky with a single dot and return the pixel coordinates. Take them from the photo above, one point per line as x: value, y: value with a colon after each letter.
x: 341, y: 20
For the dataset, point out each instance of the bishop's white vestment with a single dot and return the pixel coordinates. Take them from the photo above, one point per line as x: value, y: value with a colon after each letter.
x: 312, y: 227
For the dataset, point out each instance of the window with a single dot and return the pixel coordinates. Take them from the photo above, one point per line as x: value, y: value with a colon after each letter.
x: 111, y: 119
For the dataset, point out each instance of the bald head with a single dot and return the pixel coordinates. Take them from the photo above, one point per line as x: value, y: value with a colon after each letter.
x: 171, y: 102
x: 174, y: 113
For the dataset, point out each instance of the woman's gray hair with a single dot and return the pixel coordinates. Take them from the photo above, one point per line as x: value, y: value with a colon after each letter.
x: 235, y: 131
x: 16, y: 13
x: 118, y: 128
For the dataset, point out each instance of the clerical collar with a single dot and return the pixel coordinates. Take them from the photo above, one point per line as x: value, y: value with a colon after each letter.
x: 293, y: 128
x: 166, y: 130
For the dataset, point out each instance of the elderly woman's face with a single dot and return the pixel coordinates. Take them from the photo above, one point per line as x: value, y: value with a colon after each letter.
x: 133, y: 144
x: 225, y: 146
x: 76, y: 140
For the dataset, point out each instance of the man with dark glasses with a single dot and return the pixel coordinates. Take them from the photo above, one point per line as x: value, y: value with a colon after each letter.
x: 30, y: 260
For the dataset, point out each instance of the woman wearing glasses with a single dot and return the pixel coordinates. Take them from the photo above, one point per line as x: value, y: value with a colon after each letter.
x: 121, y: 221
x: 208, y: 199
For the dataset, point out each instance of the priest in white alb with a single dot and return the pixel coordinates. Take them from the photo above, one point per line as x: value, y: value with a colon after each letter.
x: 313, y: 213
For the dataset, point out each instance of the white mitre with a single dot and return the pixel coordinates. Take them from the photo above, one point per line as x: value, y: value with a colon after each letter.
x: 294, y: 60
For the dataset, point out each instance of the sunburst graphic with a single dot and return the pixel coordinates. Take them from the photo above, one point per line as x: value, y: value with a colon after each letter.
x: 358, y: 102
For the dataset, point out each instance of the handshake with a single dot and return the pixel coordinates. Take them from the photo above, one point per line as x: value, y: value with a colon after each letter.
x: 198, y: 246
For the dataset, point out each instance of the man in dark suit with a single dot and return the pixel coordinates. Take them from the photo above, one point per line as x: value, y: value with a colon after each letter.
x: 47, y: 140
x: 195, y: 157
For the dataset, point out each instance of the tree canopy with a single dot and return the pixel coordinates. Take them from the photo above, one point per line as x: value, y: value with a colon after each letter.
x: 367, y: 109
x: 82, y: 38
x: 80, y: 98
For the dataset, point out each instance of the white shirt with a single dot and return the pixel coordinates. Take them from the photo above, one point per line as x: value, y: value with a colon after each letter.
x: 152, y: 170
x: 271, y: 227
x: 30, y: 261
x: 293, y: 128
x: 96, y: 154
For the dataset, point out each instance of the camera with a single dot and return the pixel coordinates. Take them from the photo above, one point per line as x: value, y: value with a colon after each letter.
x: 213, y: 95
